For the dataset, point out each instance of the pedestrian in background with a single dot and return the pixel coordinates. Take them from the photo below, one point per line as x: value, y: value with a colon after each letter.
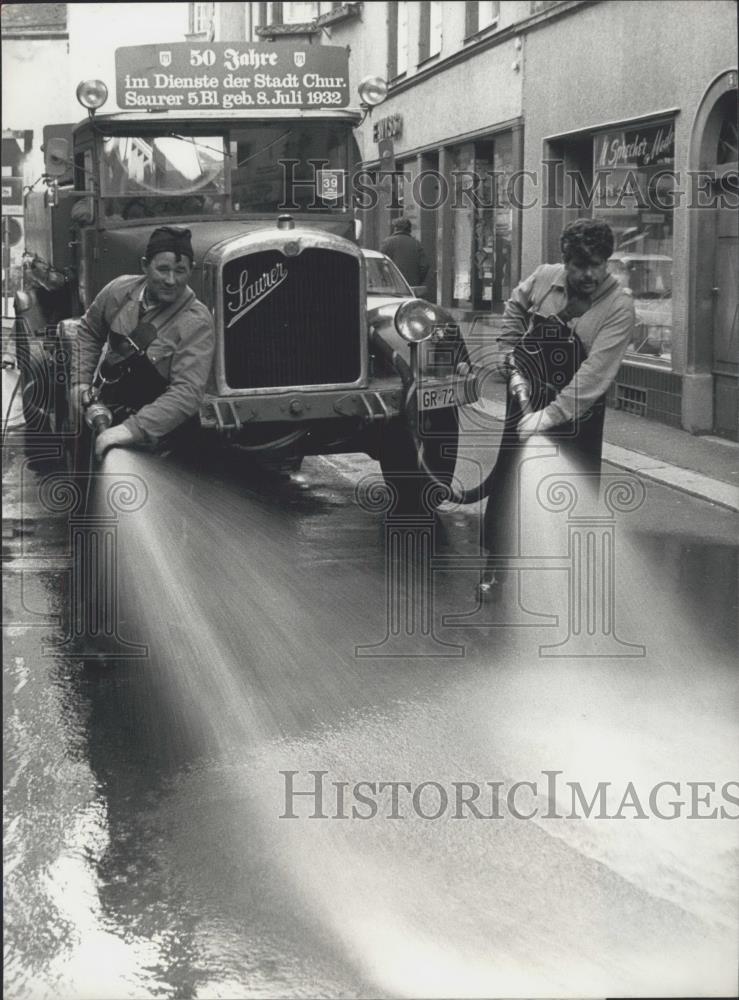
x: 406, y: 252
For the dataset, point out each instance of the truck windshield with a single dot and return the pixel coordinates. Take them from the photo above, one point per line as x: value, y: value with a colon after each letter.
x: 149, y: 175
x: 264, y: 167
x: 285, y: 165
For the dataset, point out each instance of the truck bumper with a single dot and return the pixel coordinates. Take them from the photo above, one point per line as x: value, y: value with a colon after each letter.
x: 381, y: 401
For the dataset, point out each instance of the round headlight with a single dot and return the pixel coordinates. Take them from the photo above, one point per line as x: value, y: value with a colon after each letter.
x: 416, y: 320
x: 372, y: 90
x: 92, y: 94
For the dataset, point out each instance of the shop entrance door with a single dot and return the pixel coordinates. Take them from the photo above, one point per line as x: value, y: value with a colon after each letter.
x: 483, y: 224
x: 726, y: 275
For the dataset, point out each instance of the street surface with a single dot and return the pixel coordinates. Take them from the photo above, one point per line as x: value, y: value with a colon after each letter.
x: 144, y: 850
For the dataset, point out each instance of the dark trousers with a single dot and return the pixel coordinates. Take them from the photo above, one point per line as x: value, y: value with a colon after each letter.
x: 581, y: 445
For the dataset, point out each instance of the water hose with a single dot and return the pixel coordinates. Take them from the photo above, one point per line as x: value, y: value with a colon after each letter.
x: 518, y: 387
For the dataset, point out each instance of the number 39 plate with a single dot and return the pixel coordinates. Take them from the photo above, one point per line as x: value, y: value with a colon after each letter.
x: 438, y: 398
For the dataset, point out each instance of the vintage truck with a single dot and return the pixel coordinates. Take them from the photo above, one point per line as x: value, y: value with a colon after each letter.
x: 321, y: 347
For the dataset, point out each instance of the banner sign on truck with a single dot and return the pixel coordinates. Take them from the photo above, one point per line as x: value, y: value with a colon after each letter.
x: 231, y: 76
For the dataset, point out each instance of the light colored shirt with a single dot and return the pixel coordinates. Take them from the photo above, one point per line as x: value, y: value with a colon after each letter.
x: 605, y: 331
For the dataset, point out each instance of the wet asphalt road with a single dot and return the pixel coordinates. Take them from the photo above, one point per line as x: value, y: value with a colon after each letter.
x: 144, y: 846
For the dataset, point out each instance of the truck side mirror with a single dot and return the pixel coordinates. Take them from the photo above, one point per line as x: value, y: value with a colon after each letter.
x: 57, y: 158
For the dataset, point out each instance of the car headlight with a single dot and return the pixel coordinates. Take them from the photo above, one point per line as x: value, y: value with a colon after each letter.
x: 417, y: 320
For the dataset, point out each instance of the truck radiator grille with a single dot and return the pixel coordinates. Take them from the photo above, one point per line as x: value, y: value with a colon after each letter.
x: 291, y: 320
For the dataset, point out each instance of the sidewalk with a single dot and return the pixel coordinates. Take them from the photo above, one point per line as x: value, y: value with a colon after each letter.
x: 704, y: 467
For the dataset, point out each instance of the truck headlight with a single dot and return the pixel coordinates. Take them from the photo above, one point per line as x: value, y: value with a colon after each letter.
x: 372, y: 90
x: 92, y: 94
x: 416, y: 320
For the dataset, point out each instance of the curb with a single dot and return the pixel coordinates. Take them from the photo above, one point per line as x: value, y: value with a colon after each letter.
x: 695, y: 484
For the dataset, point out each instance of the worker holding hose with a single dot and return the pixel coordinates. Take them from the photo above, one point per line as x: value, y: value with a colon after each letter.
x: 565, y: 332
x: 145, y: 350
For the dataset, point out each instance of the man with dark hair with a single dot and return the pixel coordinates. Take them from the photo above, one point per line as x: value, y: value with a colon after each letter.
x: 565, y: 332
x: 146, y: 346
x: 406, y: 252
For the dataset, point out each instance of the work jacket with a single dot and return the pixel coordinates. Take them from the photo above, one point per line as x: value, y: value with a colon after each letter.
x: 181, y: 352
x: 605, y: 331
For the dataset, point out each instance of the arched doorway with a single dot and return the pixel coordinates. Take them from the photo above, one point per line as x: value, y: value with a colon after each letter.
x: 726, y: 274
x: 714, y: 347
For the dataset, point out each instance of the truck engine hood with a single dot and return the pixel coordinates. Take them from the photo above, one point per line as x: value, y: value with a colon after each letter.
x: 121, y: 250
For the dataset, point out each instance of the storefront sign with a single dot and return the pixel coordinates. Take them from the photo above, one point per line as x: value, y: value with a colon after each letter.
x: 231, y: 76
x: 652, y: 145
x: 388, y: 128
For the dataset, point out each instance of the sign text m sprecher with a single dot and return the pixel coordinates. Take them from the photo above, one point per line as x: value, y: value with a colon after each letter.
x: 231, y: 76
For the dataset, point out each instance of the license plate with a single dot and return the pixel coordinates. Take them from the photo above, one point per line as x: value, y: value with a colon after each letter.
x: 438, y: 398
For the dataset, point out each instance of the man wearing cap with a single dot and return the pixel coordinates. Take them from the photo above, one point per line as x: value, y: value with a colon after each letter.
x: 406, y: 252
x: 172, y: 332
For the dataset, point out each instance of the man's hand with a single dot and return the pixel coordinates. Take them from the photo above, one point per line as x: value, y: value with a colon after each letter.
x: 113, y: 437
x: 534, y: 423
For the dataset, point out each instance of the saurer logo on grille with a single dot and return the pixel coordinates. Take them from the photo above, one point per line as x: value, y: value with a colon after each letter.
x: 245, y: 294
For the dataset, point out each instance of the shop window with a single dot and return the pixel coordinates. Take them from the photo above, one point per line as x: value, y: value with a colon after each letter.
x: 482, y: 224
x: 397, y: 41
x: 633, y: 171
x: 480, y: 14
x: 429, y: 30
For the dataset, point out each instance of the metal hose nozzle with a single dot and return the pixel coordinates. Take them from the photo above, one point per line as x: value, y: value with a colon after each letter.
x: 98, y: 417
x: 519, y: 388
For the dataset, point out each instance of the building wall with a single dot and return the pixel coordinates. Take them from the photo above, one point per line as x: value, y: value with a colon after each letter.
x: 34, y: 91
x: 40, y: 76
x: 466, y: 97
x: 632, y: 60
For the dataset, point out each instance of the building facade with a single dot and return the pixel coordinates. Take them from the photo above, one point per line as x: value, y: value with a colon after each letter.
x: 646, y: 119
x: 505, y: 120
